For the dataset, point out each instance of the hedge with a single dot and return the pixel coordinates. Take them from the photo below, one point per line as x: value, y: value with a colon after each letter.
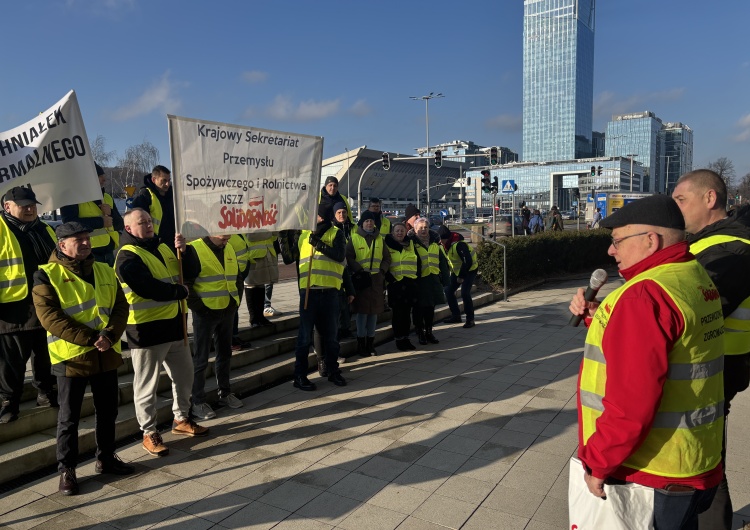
x: 544, y: 255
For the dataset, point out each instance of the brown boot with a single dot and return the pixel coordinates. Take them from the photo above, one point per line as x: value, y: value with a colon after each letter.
x: 188, y: 428
x: 154, y: 445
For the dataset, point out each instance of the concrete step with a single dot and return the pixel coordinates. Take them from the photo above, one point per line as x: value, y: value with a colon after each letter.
x: 28, y: 444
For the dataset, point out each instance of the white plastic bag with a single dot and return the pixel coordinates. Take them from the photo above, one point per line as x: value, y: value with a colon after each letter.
x: 627, y: 507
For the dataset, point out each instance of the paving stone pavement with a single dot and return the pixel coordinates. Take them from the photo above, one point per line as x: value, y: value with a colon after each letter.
x: 472, y: 433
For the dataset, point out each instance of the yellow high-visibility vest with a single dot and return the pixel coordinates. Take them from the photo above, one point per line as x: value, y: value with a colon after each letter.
x: 258, y: 249
x: 14, y: 285
x: 364, y: 253
x: 456, y: 262
x: 155, y: 211
x: 239, y: 244
x: 100, y: 237
x: 325, y: 271
x: 216, y: 282
x: 83, y: 303
x: 145, y: 309
x: 404, y: 263
x: 686, y: 435
x: 736, y: 325
x: 430, y: 258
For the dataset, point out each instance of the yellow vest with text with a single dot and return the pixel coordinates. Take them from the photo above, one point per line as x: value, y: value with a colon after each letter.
x: 81, y: 302
x: 216, y: 282
x: 736, y: 325
x: 455, y: 260
x: 364, y: 253
x: 14, y: 285
x: 240, y: 245
x: 155, y: 211
x: 430, y: 258
x: 686, y: 435
x: 144, y: 310
x: 100, y: 237
x: 325, y: 271
x: 404, y: 263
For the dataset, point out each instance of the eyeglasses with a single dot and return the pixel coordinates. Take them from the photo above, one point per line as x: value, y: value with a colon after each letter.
x: 616, y: 242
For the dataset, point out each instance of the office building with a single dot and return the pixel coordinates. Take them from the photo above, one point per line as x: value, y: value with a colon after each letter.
x: 558, y: 79
x: 678, y: 154
x: 637, y: 134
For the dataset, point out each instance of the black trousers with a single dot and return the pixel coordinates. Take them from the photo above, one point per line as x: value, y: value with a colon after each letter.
x: 70, y: 394
x: 255, y: 298
x: 423, y: 316
x: 15, y: 351
x: 401, y: 320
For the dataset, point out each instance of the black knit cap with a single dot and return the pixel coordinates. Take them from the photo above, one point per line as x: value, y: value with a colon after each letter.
x: 99, y: 170
x: 70, y: 229
x: 411, y: 211
x: 331, y: 179
x: 444, y: 232
x: 367, y: 214
x: 655, y: 210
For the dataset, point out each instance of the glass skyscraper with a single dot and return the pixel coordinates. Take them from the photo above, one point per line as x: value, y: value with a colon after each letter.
x: 637, y: 134
x: 558, y: 79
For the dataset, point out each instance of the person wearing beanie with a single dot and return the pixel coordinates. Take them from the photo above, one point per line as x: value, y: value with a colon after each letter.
x: 102, y: 218
x: 462, y: 259
x: 411, y: 214
x: 381, y: 221
x: 402, y: 283
x: 664, y: 329
x: 330, y: 195
x: 368, y: 263
x: 322, y: 255
x: 432, y: 278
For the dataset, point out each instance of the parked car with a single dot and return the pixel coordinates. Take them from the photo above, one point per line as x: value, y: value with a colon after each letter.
x: 503, y: 226
x: 569, y: 214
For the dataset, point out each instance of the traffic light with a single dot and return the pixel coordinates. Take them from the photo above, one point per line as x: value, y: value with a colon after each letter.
x: 386, y: 161
x: 599, y: 171
x: 493, y: 156
x: 486, y: 184
x: 593, y: 171
x: 495, y: 185
x: 468, y: 181
x: 577, y: 193
x: 438, y: 158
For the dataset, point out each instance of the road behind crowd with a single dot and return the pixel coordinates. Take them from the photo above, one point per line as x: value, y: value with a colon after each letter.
x: 471, y: 433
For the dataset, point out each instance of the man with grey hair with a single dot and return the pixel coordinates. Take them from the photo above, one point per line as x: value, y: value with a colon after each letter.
x: 720, y: 241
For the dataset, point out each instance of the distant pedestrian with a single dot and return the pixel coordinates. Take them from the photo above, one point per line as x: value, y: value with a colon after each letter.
x: 536, y: 224
x: 554, y: 221
x: 597, y: 219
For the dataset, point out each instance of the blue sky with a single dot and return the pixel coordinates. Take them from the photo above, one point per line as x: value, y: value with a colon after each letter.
x: 345, y: 70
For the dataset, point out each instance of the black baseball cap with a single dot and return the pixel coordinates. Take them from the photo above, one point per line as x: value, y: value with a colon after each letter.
x: 22, y: 196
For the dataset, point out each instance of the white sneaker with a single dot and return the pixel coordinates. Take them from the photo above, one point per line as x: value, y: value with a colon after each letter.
x: 271, y: 312
x: 203, y: 411
x: 231, y: 401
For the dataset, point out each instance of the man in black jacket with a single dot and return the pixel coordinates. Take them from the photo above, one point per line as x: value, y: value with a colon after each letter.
x: 148, y: 272
x: 25, y: 243
x: 720, y: 242
x: 463, y: 263
x: 157, y: 198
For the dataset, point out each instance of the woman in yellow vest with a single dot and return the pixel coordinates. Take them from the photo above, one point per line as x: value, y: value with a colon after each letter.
x: 263, y: 271
x: 366, y: 258
x: 462, y: 259
x: 402, y: 284
x: 432, y: 278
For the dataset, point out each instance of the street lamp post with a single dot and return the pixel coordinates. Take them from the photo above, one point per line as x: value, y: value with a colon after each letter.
x: 418, y: 181
x: 631, y: 169
x: 427, y: 99
x: 348, y: 194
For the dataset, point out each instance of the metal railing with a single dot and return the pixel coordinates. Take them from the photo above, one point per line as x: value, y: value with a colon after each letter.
x: 505, y: 268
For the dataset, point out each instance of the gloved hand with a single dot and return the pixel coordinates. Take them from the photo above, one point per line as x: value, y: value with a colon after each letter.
x: 314, y: 240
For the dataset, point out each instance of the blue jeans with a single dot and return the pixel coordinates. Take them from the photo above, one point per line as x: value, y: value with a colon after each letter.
x: 216, y: 327
x: 678, y: 510
x: 366, y: 324
x: 450, y: 295
x: 322, y: 313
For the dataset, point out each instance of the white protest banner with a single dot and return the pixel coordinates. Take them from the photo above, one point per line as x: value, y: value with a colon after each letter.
x: 231, y: 178
x: 51, y: 153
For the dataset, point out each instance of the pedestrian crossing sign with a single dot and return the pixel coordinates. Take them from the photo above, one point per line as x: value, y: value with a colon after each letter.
x: 509, y: 186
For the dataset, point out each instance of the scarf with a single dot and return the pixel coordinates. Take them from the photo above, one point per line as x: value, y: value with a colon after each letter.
x: 36, y: 233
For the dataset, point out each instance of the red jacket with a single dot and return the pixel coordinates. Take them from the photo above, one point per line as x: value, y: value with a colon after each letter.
x: 633, y: 396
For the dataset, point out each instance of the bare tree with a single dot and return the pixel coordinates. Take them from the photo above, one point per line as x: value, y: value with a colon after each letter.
x: 99, y: 151
x: 724, y: 168
x: 137, y: 161
x: 743, y: 190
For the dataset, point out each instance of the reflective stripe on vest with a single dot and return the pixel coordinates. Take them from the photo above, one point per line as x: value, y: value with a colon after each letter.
x: 430, y: 259
x: 100, y: 237
x: 145, y: 309
x: 364, y: 253
x: 737, y: 324
x: 81, y: 302
x: 241, y: 251
x: 686, y: 435
x: 404, y: 263
x: 155, y: 211
x: 455, y: 260
x: 258, y: 249
x: 14, y: 285
x: 114, y: 234
x: 217, y: 281
x: 325, y: 271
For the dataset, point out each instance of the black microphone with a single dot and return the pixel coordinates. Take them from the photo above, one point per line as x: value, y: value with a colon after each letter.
x: 598, y: 278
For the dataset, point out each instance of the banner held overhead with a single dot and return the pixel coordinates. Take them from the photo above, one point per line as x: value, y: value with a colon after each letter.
x: 51, y: 154
x: 232, y: 178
